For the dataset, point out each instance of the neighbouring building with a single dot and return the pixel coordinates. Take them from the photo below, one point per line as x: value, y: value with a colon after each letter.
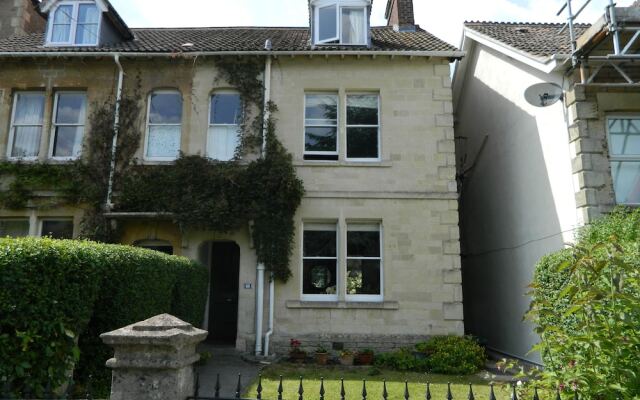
x: 365, y: 111
x: 531, y: 174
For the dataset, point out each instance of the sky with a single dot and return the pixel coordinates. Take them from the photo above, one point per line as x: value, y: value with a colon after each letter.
x: 444, y: 18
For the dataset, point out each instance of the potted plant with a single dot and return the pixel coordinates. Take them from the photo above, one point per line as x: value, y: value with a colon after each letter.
x: 365, y: 357
x: 346, y: 357
x: 296, y: 354
x: 322, y: 356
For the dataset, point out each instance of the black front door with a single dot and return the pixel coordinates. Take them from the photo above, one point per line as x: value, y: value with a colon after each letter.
x: 225, y: 285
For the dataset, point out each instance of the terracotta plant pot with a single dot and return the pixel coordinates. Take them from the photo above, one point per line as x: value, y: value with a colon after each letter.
x: 364, y: 359
x: 298, y: 357
x: 322, y: 358
x: 346, y: 360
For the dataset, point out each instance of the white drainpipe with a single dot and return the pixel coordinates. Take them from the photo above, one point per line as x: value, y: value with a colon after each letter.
x: 272, y: 292
x: 116, y: 129
x: 259, y: 308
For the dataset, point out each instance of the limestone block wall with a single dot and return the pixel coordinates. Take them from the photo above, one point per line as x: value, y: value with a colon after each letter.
x: 18, y: 17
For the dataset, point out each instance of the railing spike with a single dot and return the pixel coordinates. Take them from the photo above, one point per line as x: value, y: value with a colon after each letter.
x: 471, y: 396
x: 558, y: 397
x: 535, y: 394
x: 88, y: 390
x: 406, y: 390
x: 514, y: 394
x: 364, y: 389
x: 259, y: 389
x: 280, y: 389
x: 385, y: 394
x: 239, y: 386
x: 342, y: 391
x: 492, y: 393
x: 449, y: 394
x: 428, y: 395
x: 322, y: 392
x: 575, y: 395
x: 196, y: 386
x: 300, y: 390
x: 217, y: 388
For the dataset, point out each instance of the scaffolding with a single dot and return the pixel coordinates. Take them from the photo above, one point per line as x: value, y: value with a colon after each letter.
x: 609, y: 44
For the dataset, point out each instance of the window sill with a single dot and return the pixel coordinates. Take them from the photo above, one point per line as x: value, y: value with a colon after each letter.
x: 352, y: 164
x: 347, y: 305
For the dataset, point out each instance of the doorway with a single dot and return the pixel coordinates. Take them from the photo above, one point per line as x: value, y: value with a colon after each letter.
x: 225, y: 290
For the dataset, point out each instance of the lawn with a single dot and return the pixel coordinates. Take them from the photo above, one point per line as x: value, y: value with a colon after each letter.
x: 353, y: 377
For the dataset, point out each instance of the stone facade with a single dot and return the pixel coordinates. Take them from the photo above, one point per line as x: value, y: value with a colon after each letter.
x: 18, y: 17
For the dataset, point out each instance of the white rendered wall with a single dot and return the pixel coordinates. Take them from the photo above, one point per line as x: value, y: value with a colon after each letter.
x: 518, y: 202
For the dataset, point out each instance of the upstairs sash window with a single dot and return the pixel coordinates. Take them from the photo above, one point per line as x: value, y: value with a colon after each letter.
x: 363, y: 127
x: 68, y: 125
x: 341, y: 22
x: 224, y: 126
x: 321, y: 126
x: 75, y: 24
x: 27, y: 124
x: 164, y: 126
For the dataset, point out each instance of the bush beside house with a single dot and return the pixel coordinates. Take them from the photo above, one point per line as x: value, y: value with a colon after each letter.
x: 56, y: 297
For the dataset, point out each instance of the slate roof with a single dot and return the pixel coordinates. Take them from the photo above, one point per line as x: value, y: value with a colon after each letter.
x: 233, y: 39
x: 540, y: 40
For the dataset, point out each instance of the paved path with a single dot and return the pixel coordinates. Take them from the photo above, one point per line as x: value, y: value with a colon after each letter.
x: 227, y: 362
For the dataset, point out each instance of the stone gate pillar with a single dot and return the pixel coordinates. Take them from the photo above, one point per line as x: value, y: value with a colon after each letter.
x: 154, y: 359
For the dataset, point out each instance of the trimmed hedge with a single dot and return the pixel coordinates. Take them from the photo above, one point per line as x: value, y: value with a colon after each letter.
x: 54, y: 294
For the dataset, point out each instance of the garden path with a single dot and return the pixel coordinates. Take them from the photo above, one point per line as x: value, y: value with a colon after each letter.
x: 227, y: 362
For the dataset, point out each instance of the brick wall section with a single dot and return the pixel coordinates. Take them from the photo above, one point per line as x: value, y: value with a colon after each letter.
x: 401, y: 13
x: 19, y: 17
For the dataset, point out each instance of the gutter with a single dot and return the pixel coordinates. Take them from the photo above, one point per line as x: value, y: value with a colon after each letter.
x: 116, y: 129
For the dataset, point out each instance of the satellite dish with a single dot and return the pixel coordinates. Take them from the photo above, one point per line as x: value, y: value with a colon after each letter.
x: 543, y: 94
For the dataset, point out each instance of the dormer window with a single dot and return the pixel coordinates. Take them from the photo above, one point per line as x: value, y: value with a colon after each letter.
x: 341, y: 22
x: 74, y: 24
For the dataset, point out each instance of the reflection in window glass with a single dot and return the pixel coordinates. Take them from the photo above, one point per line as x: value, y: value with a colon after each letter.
x: 14, y: 228
x: 165, y: 125
x: 319, y: 269
x: 27, y: 124
x: 224, y: 126
x: 57, y: 229
x: 624, y: 150
x: 364, y: 269
x: 321, y: 125
x: 363, y: 126
x: 69, y: 124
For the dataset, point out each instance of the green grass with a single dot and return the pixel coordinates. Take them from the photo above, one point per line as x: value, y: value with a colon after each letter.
x: 353, y: 377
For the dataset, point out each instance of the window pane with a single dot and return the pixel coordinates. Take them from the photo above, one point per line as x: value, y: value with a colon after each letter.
x: 166, y: 108
x: 320, y: 243
x: 29, y: 109
x: 87, y: 34
x: 328, y: 28
x: 71, y: 109
x: 624, y: 136
x: 363, y: 242
x: 363, y: 277
x: 68, y: 141
x: 319, y: 277
x: 321, y: 139
x: 58, y: 229
x: 353, y: 25
x: 626, y: 181
x: 26, y: 141
x: 321, y: 109
x: 362, y: 110
x: 164, y: 141
x: 222, y: 142
x: 62, y: 24
x: 88, y: 14
x: 362, y: 142
x: 226, y: 109
x: 14, y: 228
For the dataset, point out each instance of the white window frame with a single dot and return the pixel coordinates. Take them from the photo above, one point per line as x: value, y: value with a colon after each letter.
x: 12, y: 131
x: 211, y: 124
x: 149, y: 125
x: 42, y: 220
x: 347, y: 126
x: 620, y: 158
x: 340, y: 4
x: 370, y: 298
x: 74, y: 24
x: 337, y: 126
x: 54, y: 125
x: 320, y: 297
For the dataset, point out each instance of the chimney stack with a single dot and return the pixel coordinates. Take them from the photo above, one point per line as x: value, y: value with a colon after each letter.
x: 400, y: 15
x: 20, y: 17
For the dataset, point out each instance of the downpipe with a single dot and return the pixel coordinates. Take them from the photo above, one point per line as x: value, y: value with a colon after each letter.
x: 116, y: 130
x: 267, y: 336
x: 259, y: 308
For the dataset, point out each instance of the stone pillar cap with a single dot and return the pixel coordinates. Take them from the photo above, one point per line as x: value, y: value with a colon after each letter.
x: 161, y: 329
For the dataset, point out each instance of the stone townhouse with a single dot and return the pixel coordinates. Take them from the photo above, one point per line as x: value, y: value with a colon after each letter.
x: 366, y: 113
x: 538, y: 170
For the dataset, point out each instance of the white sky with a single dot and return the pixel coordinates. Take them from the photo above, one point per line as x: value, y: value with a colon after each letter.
x: 443, y: 18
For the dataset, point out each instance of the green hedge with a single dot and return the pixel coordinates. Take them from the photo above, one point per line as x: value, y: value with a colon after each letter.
x: 54, y: 294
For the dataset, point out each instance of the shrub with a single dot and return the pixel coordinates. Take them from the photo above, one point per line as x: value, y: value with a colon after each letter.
x: 586, y: 306
x: 56, y: 297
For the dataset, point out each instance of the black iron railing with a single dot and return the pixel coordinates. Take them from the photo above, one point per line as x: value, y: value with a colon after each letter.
x: 364, y: 394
